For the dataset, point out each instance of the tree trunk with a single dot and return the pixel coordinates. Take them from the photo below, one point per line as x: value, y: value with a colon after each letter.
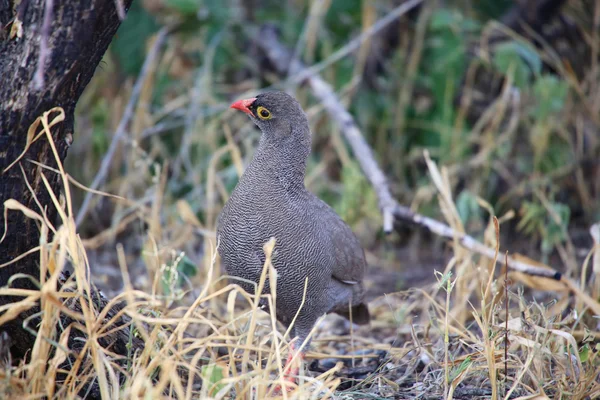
x: 73, y: 36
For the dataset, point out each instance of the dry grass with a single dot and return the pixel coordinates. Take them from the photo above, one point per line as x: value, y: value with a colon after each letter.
x: 471, y: 335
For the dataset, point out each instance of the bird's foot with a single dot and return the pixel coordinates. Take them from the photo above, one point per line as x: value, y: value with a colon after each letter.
x: 289, y: 386
x: 290, y: 373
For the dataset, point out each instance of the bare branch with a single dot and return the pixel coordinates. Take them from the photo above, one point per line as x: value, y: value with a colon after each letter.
x: 281, y: 58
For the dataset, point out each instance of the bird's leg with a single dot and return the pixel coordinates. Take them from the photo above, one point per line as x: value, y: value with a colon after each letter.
x: 292, y: 367
x: 290, y: 370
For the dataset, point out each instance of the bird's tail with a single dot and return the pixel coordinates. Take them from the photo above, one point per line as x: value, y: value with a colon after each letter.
x: 360, y: 314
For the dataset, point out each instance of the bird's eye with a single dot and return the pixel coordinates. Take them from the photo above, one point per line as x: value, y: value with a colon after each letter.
x: 263, y: 113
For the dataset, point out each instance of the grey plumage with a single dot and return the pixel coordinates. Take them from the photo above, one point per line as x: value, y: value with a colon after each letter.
x: 270, y: 200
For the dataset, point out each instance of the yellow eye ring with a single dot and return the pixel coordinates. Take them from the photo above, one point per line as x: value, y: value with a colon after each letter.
x: 263, y: 113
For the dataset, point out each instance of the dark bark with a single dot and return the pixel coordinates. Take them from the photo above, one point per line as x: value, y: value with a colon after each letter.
x: 78, y: 36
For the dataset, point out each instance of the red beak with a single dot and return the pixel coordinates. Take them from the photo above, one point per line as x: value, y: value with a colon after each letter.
x: 243, y: 105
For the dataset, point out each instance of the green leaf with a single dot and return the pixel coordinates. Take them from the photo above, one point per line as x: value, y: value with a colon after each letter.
x: 458, y: 370
x: 530, y: 55
x: 467, y: 206
x: 187, y: 267
x: 520, y: 58
x: 584, y: 353
x: 444, y: 280
x: 212, y: 374
x: 556, y: 230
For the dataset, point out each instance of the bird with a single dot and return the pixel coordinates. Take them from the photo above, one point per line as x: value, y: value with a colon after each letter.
x: 314, y: 247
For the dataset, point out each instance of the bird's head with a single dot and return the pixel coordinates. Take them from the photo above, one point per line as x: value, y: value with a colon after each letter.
x: 279, y: 116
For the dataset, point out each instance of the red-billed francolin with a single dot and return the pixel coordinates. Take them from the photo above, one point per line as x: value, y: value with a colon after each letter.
x: 312, y: 241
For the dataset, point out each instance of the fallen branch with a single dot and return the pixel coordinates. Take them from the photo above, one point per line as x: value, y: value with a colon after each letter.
x: 281, y: 58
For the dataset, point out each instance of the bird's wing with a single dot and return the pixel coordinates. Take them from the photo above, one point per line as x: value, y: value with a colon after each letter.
x: 350, y: 262
x: 351, y: 265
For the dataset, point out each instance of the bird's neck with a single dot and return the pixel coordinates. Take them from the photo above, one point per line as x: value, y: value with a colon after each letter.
x: 281, y: 162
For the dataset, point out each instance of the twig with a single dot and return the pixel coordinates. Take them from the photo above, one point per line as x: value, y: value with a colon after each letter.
x: 281, y: 58
x: 38, y: 79
x: 127, y: 114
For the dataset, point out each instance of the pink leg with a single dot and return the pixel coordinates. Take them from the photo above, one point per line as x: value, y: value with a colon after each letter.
x: 290, y: 370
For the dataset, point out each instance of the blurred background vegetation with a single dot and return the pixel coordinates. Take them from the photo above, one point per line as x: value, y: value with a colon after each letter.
x: 510, y: 109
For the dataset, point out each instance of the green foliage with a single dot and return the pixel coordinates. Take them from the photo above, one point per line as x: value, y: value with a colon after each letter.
x: 343, y: 17
x: 468, y: 208
x: 212, y: 376
x: 549, y: 225
x: 456, y: 371
x: 443, y: 65
x: 550, y: 94
x: 175, y: 274
x: 550, y: 152
x: 518, y: 59
x: 584, y: 353
x: 217, y: 17
x: 357, y: 199
x: 445, y: 281
x: 187, y: 268
x: 185, y: 7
